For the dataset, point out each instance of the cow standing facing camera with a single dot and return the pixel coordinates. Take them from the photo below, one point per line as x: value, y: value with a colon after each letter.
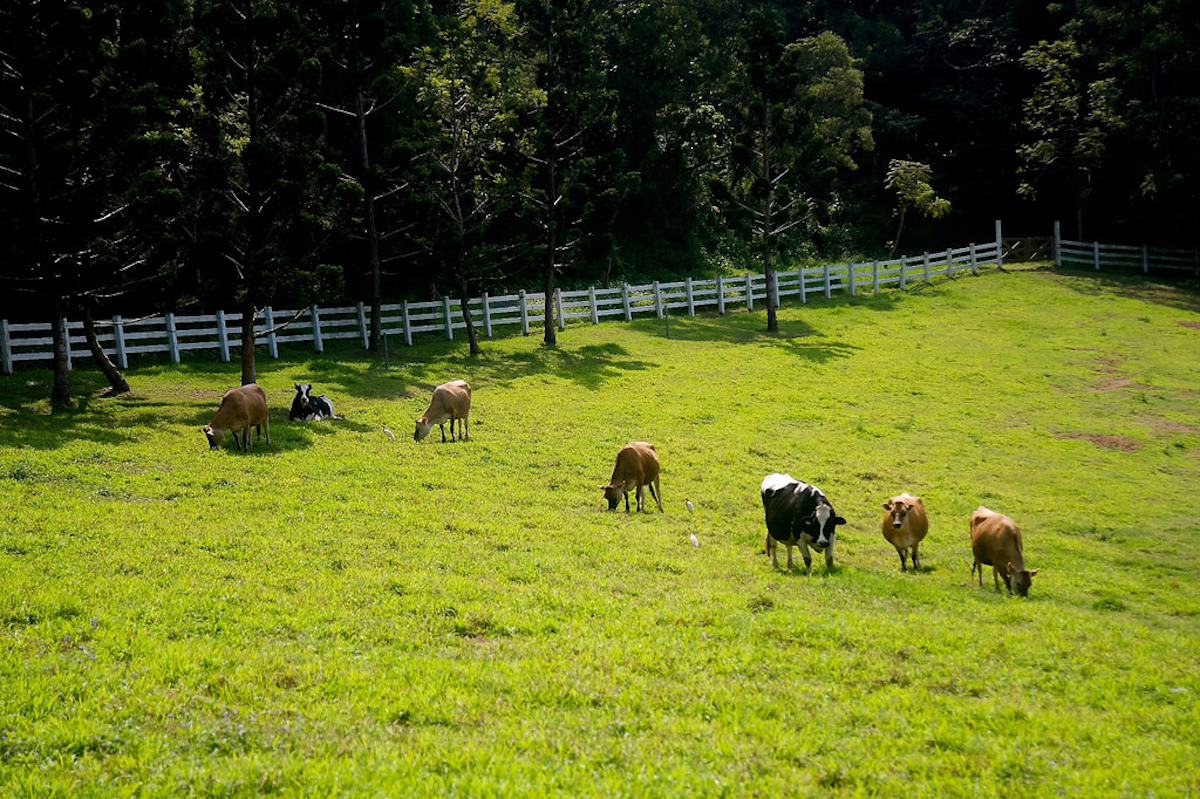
x: 798, y: 514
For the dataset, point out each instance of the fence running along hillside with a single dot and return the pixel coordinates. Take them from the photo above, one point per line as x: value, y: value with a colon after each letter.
x: 174, y: 334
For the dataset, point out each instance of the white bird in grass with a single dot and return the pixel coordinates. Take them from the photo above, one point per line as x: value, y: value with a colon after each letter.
x: 390, y: 434
x: 691, y: 509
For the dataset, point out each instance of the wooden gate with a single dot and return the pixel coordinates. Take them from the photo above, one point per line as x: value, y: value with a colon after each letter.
x: 1029, y: 248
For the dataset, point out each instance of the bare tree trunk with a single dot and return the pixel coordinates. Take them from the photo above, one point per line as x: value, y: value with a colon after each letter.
x: 472, y: 334
x: 249, y: 370
x: 60, y: 394
x: 116, y: 380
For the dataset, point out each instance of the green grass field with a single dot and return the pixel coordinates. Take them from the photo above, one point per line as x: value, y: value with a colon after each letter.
x: 341, y: 613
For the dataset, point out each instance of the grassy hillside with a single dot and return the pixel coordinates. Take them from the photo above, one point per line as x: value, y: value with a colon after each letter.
x: 339, y: 612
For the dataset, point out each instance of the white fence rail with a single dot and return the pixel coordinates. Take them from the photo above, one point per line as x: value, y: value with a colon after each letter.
x: 1119, y: 256
x: 173, y: 334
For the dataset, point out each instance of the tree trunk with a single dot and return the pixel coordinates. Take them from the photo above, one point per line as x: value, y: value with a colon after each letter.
x: 550, y: 334
x: 116, y: 380
x: 60, y: 394
x: 372, y: 230
x: 472, y: 335
x: 249, y: 370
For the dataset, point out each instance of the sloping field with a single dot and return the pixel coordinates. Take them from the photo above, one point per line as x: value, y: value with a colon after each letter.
x: 344, y: 613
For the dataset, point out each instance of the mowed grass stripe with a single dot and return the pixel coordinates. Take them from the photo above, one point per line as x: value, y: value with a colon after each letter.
x: 339, y: 612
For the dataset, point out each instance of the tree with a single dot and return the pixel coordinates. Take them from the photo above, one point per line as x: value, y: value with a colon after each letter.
x: 1070, y: 118
x: 266, y: 197
x: 800, y: 122
x: 910, y: 181
x: 69, y: 176
x: 477, y: 86
x: 363, y: 43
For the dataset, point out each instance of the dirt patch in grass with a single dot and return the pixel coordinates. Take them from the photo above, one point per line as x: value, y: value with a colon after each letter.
x: 1192, y: 325
x: 1121, y: 443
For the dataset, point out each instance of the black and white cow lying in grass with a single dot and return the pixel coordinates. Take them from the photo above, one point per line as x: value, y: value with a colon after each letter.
x: 798, y: 514
x: 306, y: 408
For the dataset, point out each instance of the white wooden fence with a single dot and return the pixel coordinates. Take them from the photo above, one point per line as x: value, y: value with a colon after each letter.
x: 1120, y: 256
x: 174, y: 334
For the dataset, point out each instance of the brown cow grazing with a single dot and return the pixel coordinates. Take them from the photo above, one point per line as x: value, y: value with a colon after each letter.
x: 996, y: 542
x: 241, y: 408
x: 904, y: 526
x: 636, y: 466
x: 451, y: 401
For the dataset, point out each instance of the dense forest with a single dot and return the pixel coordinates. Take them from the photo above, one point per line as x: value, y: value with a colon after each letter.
x: 194, y: 154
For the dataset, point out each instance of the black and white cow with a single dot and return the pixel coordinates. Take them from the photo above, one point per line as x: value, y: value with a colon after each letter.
x: 798, y: 515
x: 306, y: 408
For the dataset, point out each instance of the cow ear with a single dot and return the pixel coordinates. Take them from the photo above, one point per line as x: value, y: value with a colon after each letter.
x: 838, y: 520
x: 1035, y: 571
x: 887, y: 506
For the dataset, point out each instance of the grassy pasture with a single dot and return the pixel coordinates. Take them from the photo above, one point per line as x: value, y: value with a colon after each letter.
x: 341, y: 613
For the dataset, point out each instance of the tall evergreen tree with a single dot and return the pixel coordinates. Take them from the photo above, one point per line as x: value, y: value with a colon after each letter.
x: 266, y: 198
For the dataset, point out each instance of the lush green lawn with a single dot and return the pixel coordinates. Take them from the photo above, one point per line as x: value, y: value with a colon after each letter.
x: 339, y: 612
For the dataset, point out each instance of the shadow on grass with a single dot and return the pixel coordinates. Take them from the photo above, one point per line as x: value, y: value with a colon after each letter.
x: 1182, y: 294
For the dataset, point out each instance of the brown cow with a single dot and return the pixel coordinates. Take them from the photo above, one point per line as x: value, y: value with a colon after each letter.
x: 905, y: 526
x: 241, y: 408
x: 451, y: 401
x: 636, y: 466
x: 996, y: 542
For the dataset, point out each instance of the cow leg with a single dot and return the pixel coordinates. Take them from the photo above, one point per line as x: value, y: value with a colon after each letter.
x: 640, y: 494
x: 804, y: 552
x: 626, y: 493
x: 657, y: 495
x: 916, y: 563
x: 466, y: 434
x: 995, y: 577
x: 903, y: 560
x: 977, y: 566
x: 442, y: 427
x: 770, y: 549
x: 829, y: 554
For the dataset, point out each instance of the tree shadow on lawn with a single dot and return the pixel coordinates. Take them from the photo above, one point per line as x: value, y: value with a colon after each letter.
x: 797, y: 336
x: 589, y: 366
x: 1183, y: 295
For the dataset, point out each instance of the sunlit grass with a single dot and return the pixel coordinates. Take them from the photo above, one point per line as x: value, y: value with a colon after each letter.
x: 344, y: 613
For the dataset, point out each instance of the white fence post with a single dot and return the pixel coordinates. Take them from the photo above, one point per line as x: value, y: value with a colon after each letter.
x: 222, y: 336
x: 1145, y: 259
x: 720, y: 295
x: 828, y: 283
x: 999, y: 246
x: 119, y: 343
x: 749, y: 292
x: 1096, y: 254
x: 691, y: 301
x: 5, y: 348
x: 949, y: 262
x: 774, y: 285
x: 524, y: 314
x: 926, y: 260
x: 405, y: 320
x: 487, y: 316
x: 658, y: 309
x: 562, y: 323
x: 875, y: 277
x: 362, y: 326
x: 625, y: 301
x: 974, y: 261
x: 852, y: 278
x: 592, y: 300
x: 903, y: 272
x: 318, y: 343
x: 172, y: 338
x: 272, y: 344
x: 803, y: 289
x: 446, y: 316
x: 1057, y: 244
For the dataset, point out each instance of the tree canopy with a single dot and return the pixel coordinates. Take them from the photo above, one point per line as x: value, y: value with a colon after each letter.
x: 242, y: 153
